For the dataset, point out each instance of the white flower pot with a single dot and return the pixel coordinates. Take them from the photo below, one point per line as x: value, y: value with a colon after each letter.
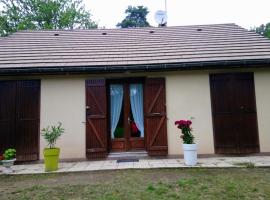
x: 190, y: 154
x: 7, y: 166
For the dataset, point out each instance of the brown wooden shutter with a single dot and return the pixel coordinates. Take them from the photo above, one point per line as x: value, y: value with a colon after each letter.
x: 27, y: 120
x: 96, y: 119
x: 246, y: 113
x: 234, y: 113
x: 19, y: 118
x: 7, y: 115
x: 155, y: 116
x: 222, y: 111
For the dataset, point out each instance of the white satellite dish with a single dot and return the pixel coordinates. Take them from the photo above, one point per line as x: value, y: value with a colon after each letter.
x: 161, y: 17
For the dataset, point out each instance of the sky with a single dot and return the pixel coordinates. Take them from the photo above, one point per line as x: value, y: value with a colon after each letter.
x: 246, y: 13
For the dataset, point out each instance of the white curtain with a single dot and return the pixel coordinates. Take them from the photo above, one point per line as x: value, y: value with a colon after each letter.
x: 136, y: 101
x: 116, y: 91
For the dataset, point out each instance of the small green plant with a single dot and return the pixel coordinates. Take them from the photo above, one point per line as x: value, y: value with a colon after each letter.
x: 250, y: 165
x: 9, y: 154
x: 150, y: 188
x: 119, y: 132
x: 185, y: 182
x: 51, y: 134
x: 162, y: 188
x: 230, y: 186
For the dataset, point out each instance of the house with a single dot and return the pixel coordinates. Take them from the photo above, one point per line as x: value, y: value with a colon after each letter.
x: 122, y: 89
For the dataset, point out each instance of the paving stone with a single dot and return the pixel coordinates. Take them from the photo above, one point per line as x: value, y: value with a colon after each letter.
x: 93, y: 168
x: 125, y: 166
x: 174, y: 165
x: 158, y: 165
x: 173, y: 161
x: 221, y: 165
x: 105, y: 167
x: 142, y: 166
x: 161, y: 161
x: 110, y: 162
x: 80, y: 166
x: 211, y: 165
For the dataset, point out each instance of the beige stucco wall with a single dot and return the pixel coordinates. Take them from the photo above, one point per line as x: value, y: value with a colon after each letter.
x: 188, y: 95
x: 63, y: 100
x: 262, y: 89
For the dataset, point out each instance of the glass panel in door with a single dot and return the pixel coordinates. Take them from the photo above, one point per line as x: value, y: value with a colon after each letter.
x: 136, y: 117
x: 116, y: 111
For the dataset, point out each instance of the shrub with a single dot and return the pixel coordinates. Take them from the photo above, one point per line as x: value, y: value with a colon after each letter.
x: 51, y: 134
x: 9, y: 154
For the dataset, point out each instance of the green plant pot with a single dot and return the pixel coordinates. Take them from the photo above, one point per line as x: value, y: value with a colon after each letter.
x: 51, y: 159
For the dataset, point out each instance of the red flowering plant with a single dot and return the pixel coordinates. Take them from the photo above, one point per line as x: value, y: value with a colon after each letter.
x: 1, y: 158
x: 185, y: 127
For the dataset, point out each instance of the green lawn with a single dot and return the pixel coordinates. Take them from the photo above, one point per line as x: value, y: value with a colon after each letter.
x: 206, y: 184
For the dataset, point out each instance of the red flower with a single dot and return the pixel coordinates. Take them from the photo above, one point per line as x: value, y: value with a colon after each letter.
x: 1, y: 157
x: 176, y: 122
x: 134, y: 128
x: 183, y: 124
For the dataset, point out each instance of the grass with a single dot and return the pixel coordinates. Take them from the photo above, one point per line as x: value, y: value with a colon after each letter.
x: 169, y: 184
x: 245, y: 164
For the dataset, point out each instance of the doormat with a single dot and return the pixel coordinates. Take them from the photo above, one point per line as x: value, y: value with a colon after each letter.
x: 127, y: 160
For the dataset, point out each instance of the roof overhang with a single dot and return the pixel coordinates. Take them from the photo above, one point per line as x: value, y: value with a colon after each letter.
x: 226, y: 64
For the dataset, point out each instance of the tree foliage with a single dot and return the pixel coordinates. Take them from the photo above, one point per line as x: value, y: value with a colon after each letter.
x: 43, y: 14
x: 136, y: 17
x: 263, y: 30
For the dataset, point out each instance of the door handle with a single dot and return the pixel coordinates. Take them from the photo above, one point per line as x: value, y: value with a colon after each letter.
x: 87, y: 107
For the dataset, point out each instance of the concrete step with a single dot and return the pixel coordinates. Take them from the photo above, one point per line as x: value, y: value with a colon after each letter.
x: 128, y: 155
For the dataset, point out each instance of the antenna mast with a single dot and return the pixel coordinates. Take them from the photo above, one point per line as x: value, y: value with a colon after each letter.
x: 166, y: 12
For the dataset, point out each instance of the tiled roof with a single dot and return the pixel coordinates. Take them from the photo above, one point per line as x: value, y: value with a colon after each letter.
x: 133, y: 46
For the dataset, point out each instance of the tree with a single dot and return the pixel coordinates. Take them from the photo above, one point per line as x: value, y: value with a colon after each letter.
x: 43, y: 14
x: 263, y: 30
x: 136, y: 17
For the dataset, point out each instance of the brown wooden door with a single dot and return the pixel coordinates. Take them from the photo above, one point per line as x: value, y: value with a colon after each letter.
x: 96, y: 119
x: 19, y: 118
x: 155, y: 116
x: 234, y: 113
x: 128, y: 140
x: 120, y: 141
